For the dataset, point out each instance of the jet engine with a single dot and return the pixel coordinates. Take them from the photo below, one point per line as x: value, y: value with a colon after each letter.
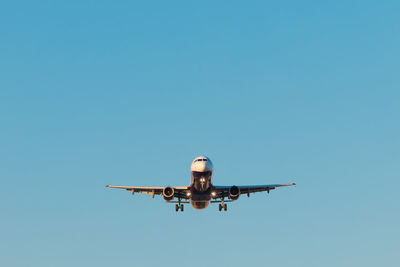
x: 168, y: 193
x: 234, y: 192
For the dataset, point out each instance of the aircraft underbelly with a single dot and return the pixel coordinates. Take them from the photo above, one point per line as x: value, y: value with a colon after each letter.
x: 200, y: 200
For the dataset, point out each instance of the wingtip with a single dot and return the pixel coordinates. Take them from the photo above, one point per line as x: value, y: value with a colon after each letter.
x: 107, y: 185
x: 293, y: 183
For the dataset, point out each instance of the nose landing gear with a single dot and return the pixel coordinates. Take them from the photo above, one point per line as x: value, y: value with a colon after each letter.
x: 223, y: 206
x: 178, y: 207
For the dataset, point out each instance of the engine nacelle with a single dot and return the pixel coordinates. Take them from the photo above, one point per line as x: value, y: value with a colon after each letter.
x: 234, y: 192
x: 168, y: 193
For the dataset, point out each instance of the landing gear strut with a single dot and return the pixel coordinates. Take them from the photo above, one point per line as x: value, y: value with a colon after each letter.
x: 223, y: 206
x: 178, y: 207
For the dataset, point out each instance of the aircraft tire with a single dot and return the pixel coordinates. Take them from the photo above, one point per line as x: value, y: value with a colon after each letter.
x: 181, y: 207
x: 176, y: 207
x: 225, y: 207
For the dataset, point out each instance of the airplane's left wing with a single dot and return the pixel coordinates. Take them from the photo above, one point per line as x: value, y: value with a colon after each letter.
x: 223, y: 191
x: 180, y: 191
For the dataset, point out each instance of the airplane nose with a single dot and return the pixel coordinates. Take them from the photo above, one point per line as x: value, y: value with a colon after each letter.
x: 202, y: 164
x: 202, y: 167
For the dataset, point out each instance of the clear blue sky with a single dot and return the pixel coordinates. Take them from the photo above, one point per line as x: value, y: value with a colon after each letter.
x: 122, y: 92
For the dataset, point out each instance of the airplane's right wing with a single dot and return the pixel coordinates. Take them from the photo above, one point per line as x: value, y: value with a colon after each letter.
x: 179, y: 191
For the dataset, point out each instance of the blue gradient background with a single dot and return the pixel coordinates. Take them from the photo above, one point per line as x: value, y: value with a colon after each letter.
x: 123, y: 92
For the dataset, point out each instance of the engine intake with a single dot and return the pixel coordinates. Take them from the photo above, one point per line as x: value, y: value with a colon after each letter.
x: 234, y: 192
x: 168, y: 193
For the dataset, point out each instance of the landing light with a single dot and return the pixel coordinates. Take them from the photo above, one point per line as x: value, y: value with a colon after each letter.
x: 188, y: 193
x: 213, y: 194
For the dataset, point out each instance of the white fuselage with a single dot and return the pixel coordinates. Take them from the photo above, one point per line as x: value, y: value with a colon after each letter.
x: 202, y: 169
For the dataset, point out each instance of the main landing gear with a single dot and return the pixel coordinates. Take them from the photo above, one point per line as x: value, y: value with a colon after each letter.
x: 178, y: 207
x: 223, y: 206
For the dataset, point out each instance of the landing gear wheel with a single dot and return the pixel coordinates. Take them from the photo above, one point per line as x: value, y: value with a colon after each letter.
x: 176, y: 207
x: 225, y: 207
x: 181, y: 207
x: 219, y: 207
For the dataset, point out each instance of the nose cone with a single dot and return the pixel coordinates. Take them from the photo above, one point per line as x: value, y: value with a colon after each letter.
x: 201, y: 164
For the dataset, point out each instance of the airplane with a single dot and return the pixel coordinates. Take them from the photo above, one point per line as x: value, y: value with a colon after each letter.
x: 201, y: 192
